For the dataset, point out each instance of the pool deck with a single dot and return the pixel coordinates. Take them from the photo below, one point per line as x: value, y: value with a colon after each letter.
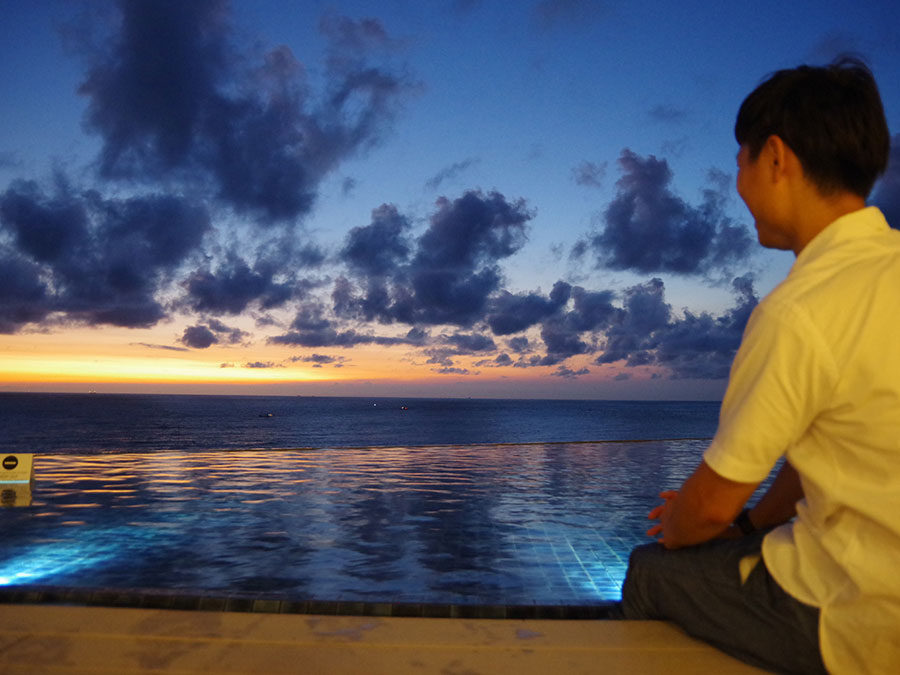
x: 69, y: 639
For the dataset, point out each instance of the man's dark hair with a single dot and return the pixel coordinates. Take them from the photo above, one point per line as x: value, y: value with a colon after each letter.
x: 830, y: 116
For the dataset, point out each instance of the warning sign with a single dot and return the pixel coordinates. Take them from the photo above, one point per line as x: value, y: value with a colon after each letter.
x: 17, y: 469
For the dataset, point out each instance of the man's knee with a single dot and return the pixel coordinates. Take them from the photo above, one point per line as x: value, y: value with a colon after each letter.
x: 639, y: 589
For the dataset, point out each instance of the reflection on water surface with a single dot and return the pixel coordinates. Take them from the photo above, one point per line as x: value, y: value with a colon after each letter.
x: 504, y: 524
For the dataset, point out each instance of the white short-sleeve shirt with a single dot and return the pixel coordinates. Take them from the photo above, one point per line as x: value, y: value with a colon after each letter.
x: 817, y: 379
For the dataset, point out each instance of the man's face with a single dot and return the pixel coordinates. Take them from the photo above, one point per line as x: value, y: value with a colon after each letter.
x: 756, y: 188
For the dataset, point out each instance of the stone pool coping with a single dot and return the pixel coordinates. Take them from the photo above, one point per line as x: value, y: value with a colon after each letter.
x: 272, y: 604
x: 80, y: 640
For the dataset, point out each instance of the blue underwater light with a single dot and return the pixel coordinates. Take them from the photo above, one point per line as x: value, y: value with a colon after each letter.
x: 55, y: 558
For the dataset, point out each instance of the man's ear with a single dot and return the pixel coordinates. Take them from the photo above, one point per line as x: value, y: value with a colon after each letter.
x: 776, y: 151
x: 780, y: 159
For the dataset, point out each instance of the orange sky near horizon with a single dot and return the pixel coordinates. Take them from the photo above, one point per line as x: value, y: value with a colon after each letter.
x: 118, y: 360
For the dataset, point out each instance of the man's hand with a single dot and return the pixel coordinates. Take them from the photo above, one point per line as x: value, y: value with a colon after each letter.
x: 701, y: 510
x: 661, y: 513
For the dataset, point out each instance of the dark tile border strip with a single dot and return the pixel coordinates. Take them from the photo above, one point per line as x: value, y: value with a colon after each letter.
x: 167, y: 599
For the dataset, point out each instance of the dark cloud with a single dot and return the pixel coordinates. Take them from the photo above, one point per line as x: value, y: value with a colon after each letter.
x: 633, y: 334
x: 214, y: 332
x: 308, y: 255
x: 375, y: 253
x: 349, y: 302
x: 179, y: 106
x: 647, y: 228
x: 510, y: 313
x: 703, y: 346
x: 99, y: 261
x: 449, y: 275
x: 564, y: 333
x: 641, y: 332
x: 453, y: 371
x: 24, y: 298
x: 351, y: 41
x: 454, y: 270
x: 416, y: 336
x: 473, y: 229
x: 445, y: 296
x: 533, y: 361
x: 570, y: 374
x: 46, y: 228
x: 233, y: 286
x: 589, y: 174
x: 322, y: 337
x: 395, y: 280
x: 449, y: 173
x: 470, y: 343
x: 561, y: 342
x: 348, y: 185
x: 667, y: 114
x: 198, y: 109
x: 440, y: 356
x: 519, y: 345
x: 459, y: 344
x: 379, y: 247
x: 163, y: 347
x: 312, y: 328
x: 886, y: 194
x: 318, y: 359
x: 500, y: 361
x: 262, y: 364
x: 199, y: 337
x: 579, y: 250
x: 697, y: 346
x: 229, y: 334
x: 592, y: 310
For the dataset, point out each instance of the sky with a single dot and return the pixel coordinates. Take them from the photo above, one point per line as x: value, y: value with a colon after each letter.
x: 451, y: 198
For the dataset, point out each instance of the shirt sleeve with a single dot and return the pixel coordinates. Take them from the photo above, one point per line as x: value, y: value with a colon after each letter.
x: 781, y: 378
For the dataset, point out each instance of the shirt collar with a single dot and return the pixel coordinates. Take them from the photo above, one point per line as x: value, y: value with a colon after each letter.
x: 856, y: 225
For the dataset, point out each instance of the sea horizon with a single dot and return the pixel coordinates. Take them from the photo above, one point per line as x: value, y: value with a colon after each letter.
x: 92, y: 392
x: 111, y: 422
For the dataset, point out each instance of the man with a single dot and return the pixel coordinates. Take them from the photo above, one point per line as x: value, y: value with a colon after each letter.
x: 809, y: 578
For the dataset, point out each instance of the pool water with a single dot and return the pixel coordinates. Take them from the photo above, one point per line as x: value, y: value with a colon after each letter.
x: 545, y: 524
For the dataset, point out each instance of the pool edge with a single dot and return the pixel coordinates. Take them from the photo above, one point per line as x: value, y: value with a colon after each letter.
x: 270, y: 604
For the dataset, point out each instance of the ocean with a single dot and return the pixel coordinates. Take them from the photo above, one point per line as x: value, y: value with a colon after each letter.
x: 113, y: 423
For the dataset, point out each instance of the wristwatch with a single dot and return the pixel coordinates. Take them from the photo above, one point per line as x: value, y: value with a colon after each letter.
x: 743, y: 522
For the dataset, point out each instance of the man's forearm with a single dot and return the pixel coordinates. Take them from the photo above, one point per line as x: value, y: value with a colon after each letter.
x: 779, y: 504
x: 687, y: 526
x: 704, y: 507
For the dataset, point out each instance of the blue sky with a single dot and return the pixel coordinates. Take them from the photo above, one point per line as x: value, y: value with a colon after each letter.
x: 450, y: 198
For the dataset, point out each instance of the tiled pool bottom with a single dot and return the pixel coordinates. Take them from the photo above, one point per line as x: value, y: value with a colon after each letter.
x: 512, y: 531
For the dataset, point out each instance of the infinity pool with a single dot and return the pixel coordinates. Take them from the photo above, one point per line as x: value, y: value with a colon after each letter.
x: 531, y: 524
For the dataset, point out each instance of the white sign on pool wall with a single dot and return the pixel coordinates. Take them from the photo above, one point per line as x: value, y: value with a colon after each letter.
x: 17, y: 469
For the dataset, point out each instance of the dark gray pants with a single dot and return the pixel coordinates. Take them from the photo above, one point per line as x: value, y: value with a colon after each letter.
x: 700, y: 589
